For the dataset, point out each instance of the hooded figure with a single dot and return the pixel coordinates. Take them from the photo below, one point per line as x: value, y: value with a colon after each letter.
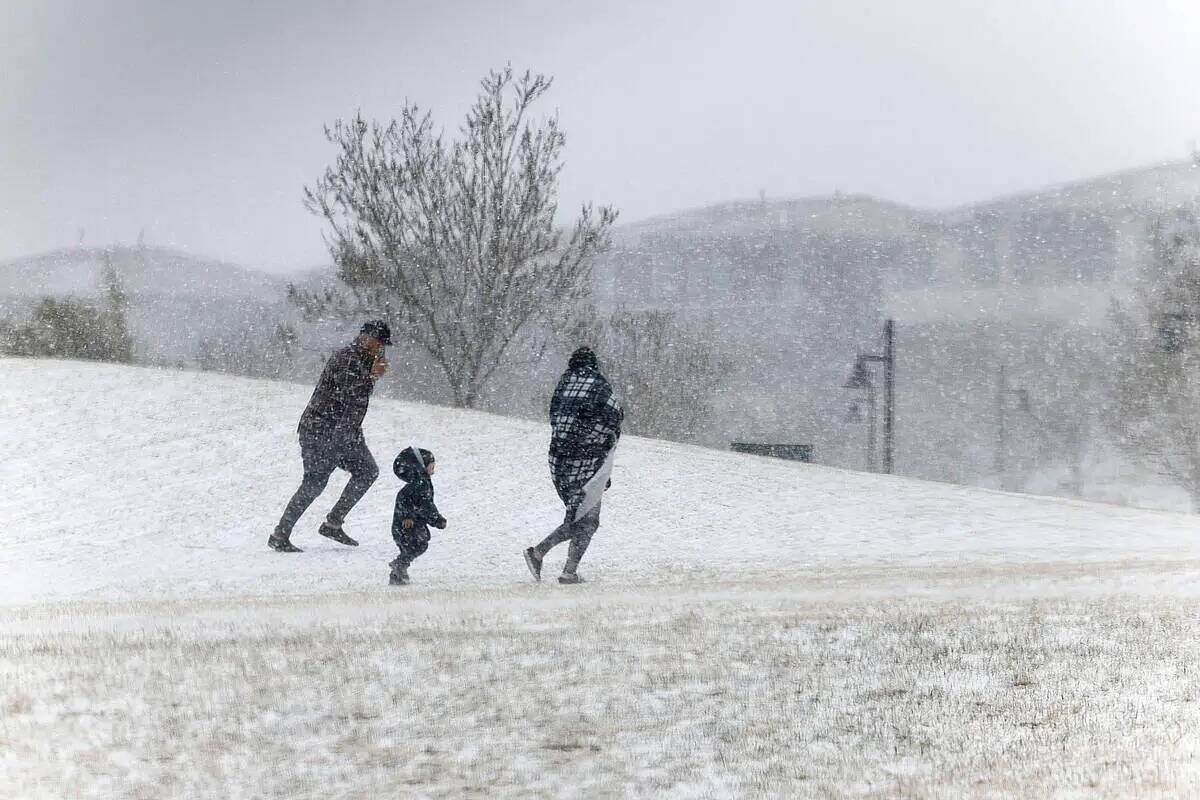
x: 415, y: 510
x: 585, y: 424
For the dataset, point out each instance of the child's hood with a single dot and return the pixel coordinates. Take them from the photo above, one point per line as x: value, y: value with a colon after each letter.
x: 408, y: 467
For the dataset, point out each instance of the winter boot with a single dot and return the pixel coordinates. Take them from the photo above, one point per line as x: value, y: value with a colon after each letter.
x: 336, y: 533
x: 570, y: 578
x: 399, y: 574
x: 534, y: 562
x: 282, y: 544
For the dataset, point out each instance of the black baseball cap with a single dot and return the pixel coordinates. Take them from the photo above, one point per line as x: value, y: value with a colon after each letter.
x: 378, y: 329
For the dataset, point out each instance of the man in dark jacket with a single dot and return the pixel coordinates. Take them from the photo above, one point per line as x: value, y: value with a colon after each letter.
x: 415, y: 510
x: 331, y: 435
x: 585, y: 422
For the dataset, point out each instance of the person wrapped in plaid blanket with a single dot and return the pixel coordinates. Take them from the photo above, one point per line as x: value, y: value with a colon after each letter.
x: 585, y: 422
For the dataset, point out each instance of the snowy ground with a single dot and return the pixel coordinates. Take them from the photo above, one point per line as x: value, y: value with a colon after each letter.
x: 753, y: 627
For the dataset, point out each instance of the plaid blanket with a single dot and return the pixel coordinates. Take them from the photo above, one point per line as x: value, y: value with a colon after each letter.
x: 585, y: 422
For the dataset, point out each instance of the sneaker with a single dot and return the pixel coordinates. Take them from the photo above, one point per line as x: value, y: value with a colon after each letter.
x: 570, y: 578
x: 534, y: 562
x: 337, y: 534
x: 282, y: 544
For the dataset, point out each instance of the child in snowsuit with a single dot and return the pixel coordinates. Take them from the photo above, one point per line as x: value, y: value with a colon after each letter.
x: 415, y: 510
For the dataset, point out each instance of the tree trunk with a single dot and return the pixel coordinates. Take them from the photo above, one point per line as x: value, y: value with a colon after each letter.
x: 465, y: 391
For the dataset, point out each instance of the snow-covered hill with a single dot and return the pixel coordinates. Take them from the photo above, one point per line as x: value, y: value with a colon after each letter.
x: 125, y: 482
x: 752, y: 628
x: 144, y: 270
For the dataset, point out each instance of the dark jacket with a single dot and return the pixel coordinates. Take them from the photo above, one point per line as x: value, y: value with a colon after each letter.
x: 339, y: 402
x: 415, y: 500
x: 585, y: 423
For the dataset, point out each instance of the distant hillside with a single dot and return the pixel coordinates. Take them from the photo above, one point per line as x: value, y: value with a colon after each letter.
x: 1086, y: 237
x: 829, y: 213
x: 145, y: 270
x: 1164, y: 185
x: 793, y: 289
x: 176, y: 301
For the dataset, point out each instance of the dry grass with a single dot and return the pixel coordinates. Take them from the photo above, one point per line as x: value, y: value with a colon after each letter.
x: 741, y: 690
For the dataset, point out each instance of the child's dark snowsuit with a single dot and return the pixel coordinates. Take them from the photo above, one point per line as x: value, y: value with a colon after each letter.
x: 414, y: 502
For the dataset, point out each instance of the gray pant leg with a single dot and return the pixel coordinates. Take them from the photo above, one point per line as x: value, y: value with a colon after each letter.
x: 317, y: 469
x: 557, y: 536
x: 585, y: 528
x: 579, y: 532
x: 358, y: 461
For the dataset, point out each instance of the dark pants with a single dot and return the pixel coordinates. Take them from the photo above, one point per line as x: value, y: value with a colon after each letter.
x: 321, y: 457
x: 412, y: 543
x: 577, y: 531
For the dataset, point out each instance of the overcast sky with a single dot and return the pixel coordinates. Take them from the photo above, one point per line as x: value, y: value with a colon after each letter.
x: 200, y: 122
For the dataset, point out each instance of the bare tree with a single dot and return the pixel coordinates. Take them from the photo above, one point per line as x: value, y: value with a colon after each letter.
x: 666, y: 375
x: 455, y: 242
x: 1155, y: 414
x: 254, y: 350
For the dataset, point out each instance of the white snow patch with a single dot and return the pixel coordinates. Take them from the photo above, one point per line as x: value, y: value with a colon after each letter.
x: 127, y: 482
